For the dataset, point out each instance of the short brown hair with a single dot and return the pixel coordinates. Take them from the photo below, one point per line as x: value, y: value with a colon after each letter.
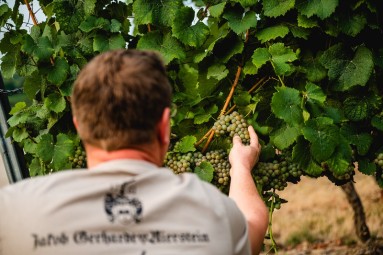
x: 119, y: 97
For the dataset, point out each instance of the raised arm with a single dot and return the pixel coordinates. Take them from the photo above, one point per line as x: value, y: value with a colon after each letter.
x: 243, y: 190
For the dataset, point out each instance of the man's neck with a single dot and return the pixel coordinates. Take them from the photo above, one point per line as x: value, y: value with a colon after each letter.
x: 96, y: 156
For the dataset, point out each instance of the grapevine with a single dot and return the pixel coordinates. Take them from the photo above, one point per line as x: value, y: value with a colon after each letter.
x: 311, y: 89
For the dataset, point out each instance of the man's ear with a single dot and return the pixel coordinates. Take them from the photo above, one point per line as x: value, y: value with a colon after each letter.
x: 163, y: 127
x: 75, y: 123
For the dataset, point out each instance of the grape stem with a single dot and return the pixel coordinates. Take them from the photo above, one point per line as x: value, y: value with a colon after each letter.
x: 204, y: 137
x: 271, y: 210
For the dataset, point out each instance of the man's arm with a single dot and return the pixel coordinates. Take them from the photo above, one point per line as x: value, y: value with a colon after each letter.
x: 243, y: 190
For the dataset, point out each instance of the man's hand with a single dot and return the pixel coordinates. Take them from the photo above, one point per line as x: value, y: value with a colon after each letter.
x: 245, y: 156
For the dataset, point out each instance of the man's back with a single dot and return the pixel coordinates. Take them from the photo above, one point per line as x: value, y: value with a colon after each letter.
x: 119, y: 207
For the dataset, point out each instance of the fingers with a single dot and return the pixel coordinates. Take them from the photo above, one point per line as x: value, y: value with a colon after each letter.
x: 237, y: 140
x: 253, y: 137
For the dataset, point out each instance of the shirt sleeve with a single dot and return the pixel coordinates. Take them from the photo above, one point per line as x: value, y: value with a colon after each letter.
x: 239, y: 231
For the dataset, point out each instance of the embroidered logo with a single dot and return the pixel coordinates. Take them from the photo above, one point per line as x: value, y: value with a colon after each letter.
x: 122, y: 206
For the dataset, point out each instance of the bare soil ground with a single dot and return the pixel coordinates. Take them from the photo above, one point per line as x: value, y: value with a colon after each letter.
x: 318, y: 219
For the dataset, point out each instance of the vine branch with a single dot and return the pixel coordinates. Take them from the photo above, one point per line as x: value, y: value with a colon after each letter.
x: 31, y: 13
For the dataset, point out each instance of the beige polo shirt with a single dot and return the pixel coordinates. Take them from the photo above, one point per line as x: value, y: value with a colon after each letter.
x: 119, y: 207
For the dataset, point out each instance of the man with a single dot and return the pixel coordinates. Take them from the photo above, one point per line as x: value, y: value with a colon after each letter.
x: 127, y: 203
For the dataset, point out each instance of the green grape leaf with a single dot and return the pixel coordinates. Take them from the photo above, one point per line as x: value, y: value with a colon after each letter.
x: 305, y: 22
x: 115, y: 26
x: 217, y: 71
x: 300, y: 32
x: 362, y: 141
x: 260, y: 57
x: 217, y: 10
x: 92, y: 23
x: 189, y: 77
x: 18, y: 107
x: 353, y: 24
x: 301, y: 153
x: 201, y: 118
x: 240, y: 22
x: 35, y: 33
x: 286, y: 105
x: 186, y: 144
x: 229, y: 48
x: 321, y: 8
x: 32, y: 85
x: 103, y: 43
x: 250, y: 68
x: 366, y: 167
x: 314, y: 70
x: 356, y: 108
x: 44, y: 48
x: 35, y: 167
x: 205, y: 171
x: 348, y: 72
x: 323, y: 137
x: 89, y: 6
x: 58, y: 74
x: 63, y: 148
x: 18, y: 118
x: 358, y: 70
x: 169, y: 47
x: 8, y: 63
x: 275, y: 8
x: 246, y: 3
x: 285, y: 136
x: 45, y: 148
x: 29, y: 146
x: 19, y: 134
x: 29, y: 44
x: 315, y: 93
x: 206, y: 87
x: 337, y: 163
x: 156, y: 12
x: 217, y: 33
x: 242, y: 98
x: 272, y: 32
x: 313, y: 169
x: 55, y: 102
x: 193, y: 35
x: 377, y: 122
x: 281, y: 56
x: 69, y: 15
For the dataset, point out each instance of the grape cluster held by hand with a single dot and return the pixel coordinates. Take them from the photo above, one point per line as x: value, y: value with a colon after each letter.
x: 232, y: 124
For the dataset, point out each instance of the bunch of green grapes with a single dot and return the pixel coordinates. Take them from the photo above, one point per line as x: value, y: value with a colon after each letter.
x: 232, y: 124
x: 220, y: 162
x: 78, y: 160
x: 276, y: 174
x: 379, y: 161
x: 179, y: 163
